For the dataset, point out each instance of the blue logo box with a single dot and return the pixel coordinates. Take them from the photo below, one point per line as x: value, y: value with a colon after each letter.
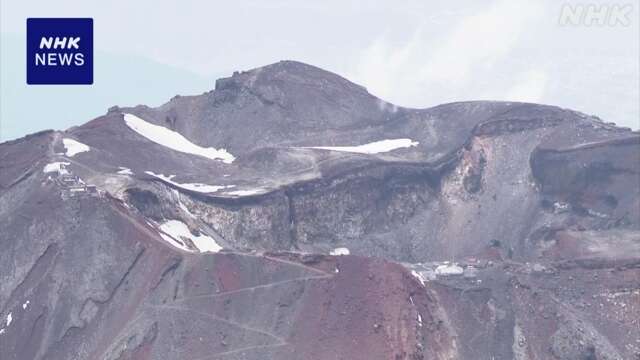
x: 59, y: 51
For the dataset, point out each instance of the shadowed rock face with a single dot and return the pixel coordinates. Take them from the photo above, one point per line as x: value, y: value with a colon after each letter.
x: 539, y: 208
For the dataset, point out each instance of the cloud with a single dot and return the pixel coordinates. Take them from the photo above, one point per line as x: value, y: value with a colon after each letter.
x: 479, y: 39
x: 442, y: 58
x: 530, y: 87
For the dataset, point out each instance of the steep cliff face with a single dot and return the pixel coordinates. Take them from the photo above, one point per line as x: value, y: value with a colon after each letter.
x: 596, y: 179
x: 475, y: 230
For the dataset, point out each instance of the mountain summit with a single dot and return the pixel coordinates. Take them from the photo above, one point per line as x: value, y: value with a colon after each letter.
x: 290, y: 214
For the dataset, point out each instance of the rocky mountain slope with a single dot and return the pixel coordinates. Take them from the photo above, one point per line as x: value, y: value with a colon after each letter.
x: 290, y: 214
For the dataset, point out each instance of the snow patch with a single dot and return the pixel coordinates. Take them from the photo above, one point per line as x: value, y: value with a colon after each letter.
x: 449, y: 269
x: 124, y: 171
x: 24, y: 306
x: 185, y: 209
x: 247, y: 192
x: 181, y: 205
x: 9, y: 319
x: 58, y: 166
x: 174, y: 140
x: 419, y: 320
x: 597, y: 214
x: 202, y: 188
x: 339, y: 251
x: 74, y: 147
x: 419, y: 276
x: 179, y: 231
x: 371, y: 148
x: 176, y: 242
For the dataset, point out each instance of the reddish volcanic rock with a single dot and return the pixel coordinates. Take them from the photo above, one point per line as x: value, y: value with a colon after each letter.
x: 361, y: 312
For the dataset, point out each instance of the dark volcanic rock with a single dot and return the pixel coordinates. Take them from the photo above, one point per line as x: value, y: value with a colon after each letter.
x: 104, y: 248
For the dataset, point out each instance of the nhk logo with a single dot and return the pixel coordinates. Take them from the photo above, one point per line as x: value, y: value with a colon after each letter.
x: 594, y: 15
x: 56, y: 58
x: 59, y: 51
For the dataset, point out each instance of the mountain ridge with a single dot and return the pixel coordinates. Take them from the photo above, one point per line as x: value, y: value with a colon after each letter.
x: 472, y: 229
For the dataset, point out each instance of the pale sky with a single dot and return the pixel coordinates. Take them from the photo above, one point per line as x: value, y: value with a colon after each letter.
x: 412, y: 53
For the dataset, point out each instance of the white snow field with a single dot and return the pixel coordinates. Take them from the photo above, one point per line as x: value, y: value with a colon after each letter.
x: 339, y: 251
x: 449, y: 269
x: 202, y: 188
x: 177, y: 230
x: 371, y: 148
x: 174, y: 140
x: 74, y: 147
x: 419, y: 276
x: 58, y: 166
x: 124, y: 171
x: 246, y: 192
